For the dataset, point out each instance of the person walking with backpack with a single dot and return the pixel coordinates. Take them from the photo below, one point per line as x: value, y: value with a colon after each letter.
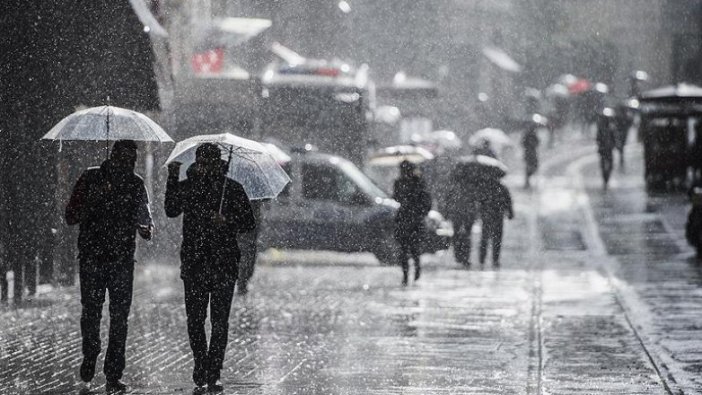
x: 411, y: 192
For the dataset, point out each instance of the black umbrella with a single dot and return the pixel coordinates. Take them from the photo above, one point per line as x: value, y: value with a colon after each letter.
x: 479, y: 166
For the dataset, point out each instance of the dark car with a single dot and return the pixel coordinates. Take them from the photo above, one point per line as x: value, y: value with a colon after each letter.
x: 331, y: 205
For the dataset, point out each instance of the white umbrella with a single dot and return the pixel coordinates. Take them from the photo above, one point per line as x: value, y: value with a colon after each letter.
x: 249, y: 162
x: 496, y: 137
x: 107, y: 123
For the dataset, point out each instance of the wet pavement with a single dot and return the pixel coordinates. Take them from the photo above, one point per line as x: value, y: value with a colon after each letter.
x: 596, y: 294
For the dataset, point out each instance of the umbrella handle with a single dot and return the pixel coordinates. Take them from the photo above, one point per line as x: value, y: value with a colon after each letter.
x: 224, y: 183
x: 107, y: 136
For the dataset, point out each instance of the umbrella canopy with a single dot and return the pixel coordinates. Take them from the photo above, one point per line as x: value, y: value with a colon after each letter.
x: 579, y: 86
x: 496, y: 137
x: 250, y: 163
x: 393, y: 156
x: 480, y: 166
x: 107, y: 123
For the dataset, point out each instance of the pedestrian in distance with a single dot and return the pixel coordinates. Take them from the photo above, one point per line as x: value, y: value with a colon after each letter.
x: 495, y: 203
x: 215, y: 210
x: 110, y: 204
x: 622, y: 123
x: 606, y: 143
x: 530, y: 145
x: 462, y: 208
x: 411, y: 192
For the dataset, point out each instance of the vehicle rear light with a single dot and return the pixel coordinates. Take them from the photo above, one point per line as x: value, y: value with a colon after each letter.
x: 328, y: 71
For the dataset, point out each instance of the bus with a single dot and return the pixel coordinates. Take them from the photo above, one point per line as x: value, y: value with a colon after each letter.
x: 326, y: 104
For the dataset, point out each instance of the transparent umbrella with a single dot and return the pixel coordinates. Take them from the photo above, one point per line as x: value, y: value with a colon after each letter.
x: 496, y: 137
x: 250, y: 163
x: 107, y: 123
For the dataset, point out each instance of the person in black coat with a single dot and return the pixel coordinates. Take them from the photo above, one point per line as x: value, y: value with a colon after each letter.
x: 415, y: 202
x: 495, y: 203
x: 606, y: 143
x: 530, y: 144
x: 215, y: 209
x: 462, y: 208
x: 110, y: 204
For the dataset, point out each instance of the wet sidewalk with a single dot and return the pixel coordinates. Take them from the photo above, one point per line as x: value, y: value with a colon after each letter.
x: 551, y: 319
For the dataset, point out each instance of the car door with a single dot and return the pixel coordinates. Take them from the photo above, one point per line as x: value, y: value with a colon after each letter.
x: 326, y: 213
x: 280, y: 225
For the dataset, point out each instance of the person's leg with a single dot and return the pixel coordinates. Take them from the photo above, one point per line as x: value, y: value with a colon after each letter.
x: 404, y: 259
x: 220, y: 305
x: 497, y: 242
x: 14, y: 262
x: 196, y: 300
x: 415, y: 249
x: 29, y: 260
x: 484, y: 239
x: 119, y: 285
x: 92, y: 297
x: 3, y: 283
x: 607, y: 168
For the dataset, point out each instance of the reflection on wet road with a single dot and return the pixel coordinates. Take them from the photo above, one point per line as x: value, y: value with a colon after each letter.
x: 595, y: 295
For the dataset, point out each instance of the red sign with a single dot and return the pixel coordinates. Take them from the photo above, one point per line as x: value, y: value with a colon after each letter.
x: 207, y: 62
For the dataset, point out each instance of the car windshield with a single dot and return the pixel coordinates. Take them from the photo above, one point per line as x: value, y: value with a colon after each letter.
x: 364, y: 183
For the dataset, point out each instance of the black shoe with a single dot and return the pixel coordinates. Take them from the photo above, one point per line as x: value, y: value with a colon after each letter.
x: 87, y: 369
x: 199, y: 390
x: 200, y: 376
x: 215, y: 387
x: 115, y: 387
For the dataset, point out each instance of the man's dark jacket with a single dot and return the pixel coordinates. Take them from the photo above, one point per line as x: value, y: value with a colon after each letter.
x: 109, y: 204
x: 209, y: 251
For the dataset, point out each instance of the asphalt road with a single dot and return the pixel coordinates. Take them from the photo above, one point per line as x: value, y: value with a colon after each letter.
x: 596, y: 294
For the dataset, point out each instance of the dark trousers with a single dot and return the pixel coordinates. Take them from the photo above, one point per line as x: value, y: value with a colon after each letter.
x: 22, y: 260
x: 463, y: 227
x: 117, y: 279
x: 492, y: 234
x: 208, y: 360
x: 409, y: 237
x: 606, y: 165
x: 3, y: 283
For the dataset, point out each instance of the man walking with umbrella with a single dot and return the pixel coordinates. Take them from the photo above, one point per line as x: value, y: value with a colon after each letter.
x: 215, y: 209
x: 495, y: 203
x: 606, y: 142
x: 410, y: 191
x: 110, y: 203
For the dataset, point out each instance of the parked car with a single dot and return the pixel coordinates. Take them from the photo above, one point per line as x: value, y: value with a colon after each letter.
x: 332, y: 205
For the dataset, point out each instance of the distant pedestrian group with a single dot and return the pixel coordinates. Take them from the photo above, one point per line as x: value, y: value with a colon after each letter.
x: 472, y: 196
x: 478, y: 198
